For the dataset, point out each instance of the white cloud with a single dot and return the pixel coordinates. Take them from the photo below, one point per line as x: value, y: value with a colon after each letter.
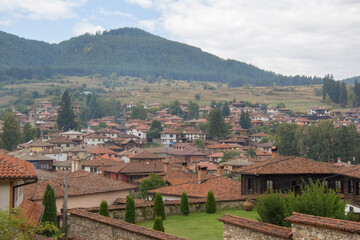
x: 148, y: 24
x: 289, y: 37
x: 40, y: 9
x: 116, y: 13
x: 142, y: 3
x: 84, y: 26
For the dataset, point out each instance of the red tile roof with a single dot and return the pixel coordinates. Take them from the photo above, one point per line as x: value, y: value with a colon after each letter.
x: 80, y: 183
x: 12, y: 167
x: 101, y: 151
x: 138, y: 167
x: 289, y: 165
x: 266, y: 228
x: 221, y: 187
x: 144, y: 155
x: 324, y: 222
x: 31, y: 211
x: 219, y: 146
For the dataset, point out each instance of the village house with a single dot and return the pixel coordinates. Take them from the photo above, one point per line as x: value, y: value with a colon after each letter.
x: 169, y: 137
x: 189, y: 154
x: 72, y: 135
x: 319, y: 111
x: 14, y: 174
x: 40, y: 146
x: 95, y: 139
x: 62, y: 143
x: 257, y: 137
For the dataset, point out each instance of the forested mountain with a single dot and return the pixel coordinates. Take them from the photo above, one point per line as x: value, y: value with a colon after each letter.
x: 129, y: 51
x: 351, y: 80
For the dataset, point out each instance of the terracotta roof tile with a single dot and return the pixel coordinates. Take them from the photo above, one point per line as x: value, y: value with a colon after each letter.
x: 276, y: 231
x: 221, y: 187
x: 143, y: 167
x: 12, y: 167
x: 342, y: 225
x: 101, y: 151
x: 144, y: 155
x: 31, y: 211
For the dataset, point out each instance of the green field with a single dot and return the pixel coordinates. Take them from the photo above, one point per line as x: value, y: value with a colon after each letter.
x: 129, y: 89
x: 199, y: 225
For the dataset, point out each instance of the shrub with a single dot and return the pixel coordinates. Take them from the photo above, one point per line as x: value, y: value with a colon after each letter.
x: 315, y: 200
x: 159, y: 209
x: 151, y: 182
x: 184, y: 204
x: 130, y: 209
x: 210, y: 203
x: 104, y: 209
x: 49, y: 203
x: 158, y: 224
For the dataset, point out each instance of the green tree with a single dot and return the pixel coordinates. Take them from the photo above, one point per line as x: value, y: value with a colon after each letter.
x: 193, y: 110
x: 217, y: 126
x: 28, y: 132
x: 225, y: 110
x: 184, y: 204
x: 11, y: 132
x: 159, y: 209
x: 155, y: 129
x: 251, y: 152
x: 151, y: 182
x: 245, y: 120
x: 66, y: 115
x: 230, y: 154
x: 213, y: 104
x: 175, y: 109
x: 280, y: 105
x: 130, y: 210
x: 158, y: 224
x: 210, y: 206
x: 104, y: 209
x: 49, y: 203
x: 197, y: 97
x: 199, y: 143
x: 285, y: 139
x: 138, y: 112
x: 343, y: 98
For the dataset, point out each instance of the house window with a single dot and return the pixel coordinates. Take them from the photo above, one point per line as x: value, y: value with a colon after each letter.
x: 326, y: 184
x: 350, y: 186
x: 338, y: 185
x: 269, y: 184
x: 171, y: 135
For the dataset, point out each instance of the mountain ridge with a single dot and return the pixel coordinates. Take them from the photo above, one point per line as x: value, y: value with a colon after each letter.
x: 133, y: 52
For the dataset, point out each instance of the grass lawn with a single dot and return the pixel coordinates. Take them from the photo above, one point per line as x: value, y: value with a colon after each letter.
x: 199, y: 225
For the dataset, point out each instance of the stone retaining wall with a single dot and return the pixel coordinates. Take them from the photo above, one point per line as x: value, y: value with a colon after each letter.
x: 301, y: 231
x: 92, y: 226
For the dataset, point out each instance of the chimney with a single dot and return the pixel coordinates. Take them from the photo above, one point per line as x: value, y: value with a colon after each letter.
x: 274, y: 152
x: 349, y: 162
x: 184, y: 166
x: 102, y: 169
x: 339, y: 160
x: 201, y: 173
x: 166, y: 166
x: 220, y: 170
x: 331, y: 161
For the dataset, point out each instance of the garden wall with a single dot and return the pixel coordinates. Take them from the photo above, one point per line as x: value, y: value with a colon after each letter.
x: 302, y: 227
x: 92, y: 226
x: 144, y: 211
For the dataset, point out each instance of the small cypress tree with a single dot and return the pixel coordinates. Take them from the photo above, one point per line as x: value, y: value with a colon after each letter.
x: 159, y: 209
x: 130, y: 209
x: 49, y: 203
x: 158, y: 224
x: 210, y: 203
x: 104, y: 209
x: 184, y: 205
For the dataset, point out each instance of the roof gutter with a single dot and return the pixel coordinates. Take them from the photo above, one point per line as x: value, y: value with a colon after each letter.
x: 20, y: 185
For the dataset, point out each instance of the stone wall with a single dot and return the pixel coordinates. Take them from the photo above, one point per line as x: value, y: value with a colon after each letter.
x: 232, y: 232
x: 92, y: 226
x: 145, y: 211
x: 301, y: 231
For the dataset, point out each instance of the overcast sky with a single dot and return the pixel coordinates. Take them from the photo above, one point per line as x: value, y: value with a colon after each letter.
x: 305, y: 37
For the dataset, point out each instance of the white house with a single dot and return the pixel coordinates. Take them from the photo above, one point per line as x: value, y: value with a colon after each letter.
x: 193, y: 135
x: 95, y: 139
x: 137, y: 132
x: 319, y: 111
x: 169, y: 136
x: 56, y: 154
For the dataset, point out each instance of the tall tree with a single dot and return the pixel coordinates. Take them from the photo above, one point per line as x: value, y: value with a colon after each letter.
x: 158, y: 224
x: 285, y: 139
x: 49, y: 203
x: 66, y: 115
x: 138, y: 112
x: 130, y: 210
x: 159, y: 209
x: 175, y: 109
x: 343, y: 98
x: 225, y: 110
x: 193, y: 110
x: 155, y: 129
x: 28, y: 132
x: 210, y: 205
x: 245, y: 120
x: 184, y: 204
x: 217, y: 126
x: 11, y: 132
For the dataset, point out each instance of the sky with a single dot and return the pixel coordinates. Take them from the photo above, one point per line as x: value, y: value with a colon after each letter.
x: 291, y: 37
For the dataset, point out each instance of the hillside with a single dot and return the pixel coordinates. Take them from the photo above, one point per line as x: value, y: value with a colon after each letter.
x: 132, y: 52
x: 351, y: 81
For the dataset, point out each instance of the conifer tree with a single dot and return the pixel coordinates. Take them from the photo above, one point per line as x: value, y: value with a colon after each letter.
x: 210, y: 206
x: 217, y: 126
x: 66, y: 115
x: 130, y: 210
x: 184, y: 204
x: 104, y: 209
x: 158, y: 224
x: 159, y: 209
x: 49, y: 203
x: 28, y: 132
x: 225, y: 110
x: 245, y: 120
x: 11, y: 132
